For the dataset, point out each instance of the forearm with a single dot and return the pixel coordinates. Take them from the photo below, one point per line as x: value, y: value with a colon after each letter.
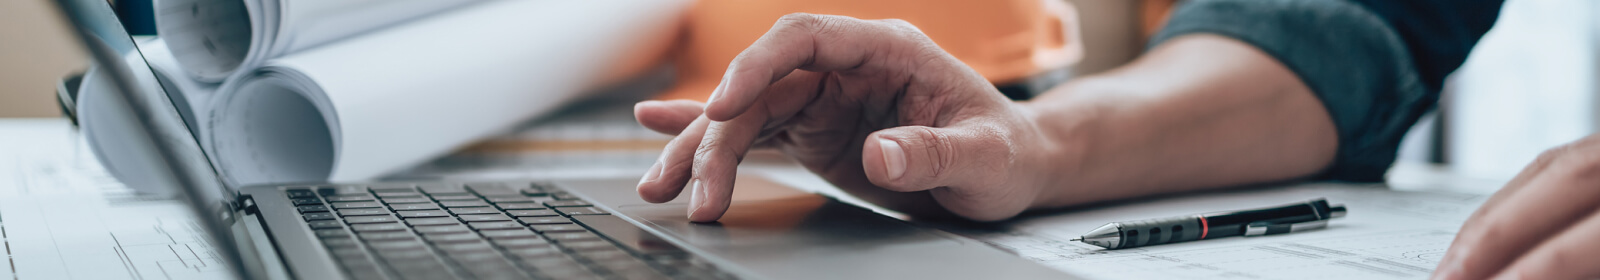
x: 1198, y: 112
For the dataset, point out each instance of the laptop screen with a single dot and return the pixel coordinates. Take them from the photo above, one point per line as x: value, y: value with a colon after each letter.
x: 143, y: 113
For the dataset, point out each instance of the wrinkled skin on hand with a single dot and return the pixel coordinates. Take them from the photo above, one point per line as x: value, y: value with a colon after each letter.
x: 872, y: 106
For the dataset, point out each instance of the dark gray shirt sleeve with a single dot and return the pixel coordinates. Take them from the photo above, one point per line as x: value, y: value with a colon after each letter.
x: 1354, y: 62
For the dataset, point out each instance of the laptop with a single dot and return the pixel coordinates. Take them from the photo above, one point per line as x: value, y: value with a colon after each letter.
x: 578, y: 229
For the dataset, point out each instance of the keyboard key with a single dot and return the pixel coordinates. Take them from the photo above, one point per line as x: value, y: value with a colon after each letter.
x: 544, y: 220
x: 387, y: 195
x: 494, y: 225
x: 349, y: 198
x: 442, y: 229
x: 473, y: 210
x: 300, y: 193
x: 371, y: 219
x: 319, y: 216
x: 484, y: 218
x: 441, y: 188
x: 519, y: 206
x: 348, y: 205
x: 348, y: 253
x: 564, y: 196
x: 566, y: 203
x: 509, y: 199
x: 386, y: 235
x: 378, y: 227
x: 363, y: 212
x: 520, y: 243
x: 532, y: 213
x: 312, y: 208
x: 570, y: 211
x: 392, y: 245
x: 494, y: 269
x: 341, y: 190
x: 432, y: 221
x: 410, y: 256
x: 472, y: 203
x: 422, y: 213
x: 393, y: 200
x: 556, y: 267
x: 509, y: 234
x: 455, y: 197
x: 589, y: 245
x: 465, y: 247
x: 467, y: 258
x: 452, y: 237
x: 306, y: 201
x: 393, y: 188
x: 533, y: 252
x: 414, y: 206
x: 572, y: 236
x: 557, y: 228
x: 345, y: 242
x: 326, y: 224
x: 604, y: 255
x: 331, y: 233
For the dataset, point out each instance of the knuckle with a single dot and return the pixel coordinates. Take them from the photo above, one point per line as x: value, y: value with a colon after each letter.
x: 938, y: 149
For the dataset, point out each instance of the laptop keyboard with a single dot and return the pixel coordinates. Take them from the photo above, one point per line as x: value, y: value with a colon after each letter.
x: 484, y: 231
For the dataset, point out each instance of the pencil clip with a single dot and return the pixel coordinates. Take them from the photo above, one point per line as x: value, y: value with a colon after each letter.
x: 1269, y: 228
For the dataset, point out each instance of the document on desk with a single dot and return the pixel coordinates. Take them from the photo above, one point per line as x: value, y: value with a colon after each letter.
x: 1387, y: 234
x: 63, y: 217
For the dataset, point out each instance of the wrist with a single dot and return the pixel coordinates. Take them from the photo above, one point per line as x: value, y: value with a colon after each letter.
x: 1058, y: 157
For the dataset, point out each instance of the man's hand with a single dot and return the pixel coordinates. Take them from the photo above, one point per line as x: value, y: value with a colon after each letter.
x: 1545, y: 223
x: 873, y: 106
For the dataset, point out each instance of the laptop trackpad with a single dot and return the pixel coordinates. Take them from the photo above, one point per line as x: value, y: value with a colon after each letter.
x: 803, y: 222
x: 790, y: 232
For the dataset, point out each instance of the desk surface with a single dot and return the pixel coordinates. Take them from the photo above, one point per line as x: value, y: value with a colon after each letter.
x: 45, y: 165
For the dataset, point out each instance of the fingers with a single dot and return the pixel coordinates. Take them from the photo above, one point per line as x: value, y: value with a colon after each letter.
x: 716, y: 161
x: 1569, y: 255
x: 817, y: 43
x: 668, y: 175
x: 1549, y: 202
x: 667, y: 117
x: 916, y: 158
x: 1533, y: 170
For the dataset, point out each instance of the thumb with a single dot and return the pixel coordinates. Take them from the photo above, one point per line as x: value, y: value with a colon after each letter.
x: 916, y: 158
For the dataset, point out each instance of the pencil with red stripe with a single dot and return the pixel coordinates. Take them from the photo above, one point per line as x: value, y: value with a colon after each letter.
x: 1296, y: 217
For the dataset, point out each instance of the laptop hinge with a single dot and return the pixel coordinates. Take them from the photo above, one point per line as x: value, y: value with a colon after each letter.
x: 244, y: 203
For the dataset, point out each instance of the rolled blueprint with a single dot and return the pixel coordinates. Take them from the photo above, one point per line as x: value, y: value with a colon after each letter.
x: 393, y: 98
x: 216, y: 38
x: 106, y: 127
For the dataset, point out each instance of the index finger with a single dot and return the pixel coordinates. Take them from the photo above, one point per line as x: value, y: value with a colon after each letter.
x: 819, y: 43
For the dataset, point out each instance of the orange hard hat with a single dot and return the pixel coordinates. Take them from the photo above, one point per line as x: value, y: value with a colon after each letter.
x: 1004, y: 40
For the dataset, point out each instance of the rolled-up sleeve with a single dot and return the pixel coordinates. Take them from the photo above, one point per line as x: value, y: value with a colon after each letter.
x: 1349, y: 57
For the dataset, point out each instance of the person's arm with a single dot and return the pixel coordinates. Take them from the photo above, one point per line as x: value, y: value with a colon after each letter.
x: 1199, y: 111
x: 880, y: 111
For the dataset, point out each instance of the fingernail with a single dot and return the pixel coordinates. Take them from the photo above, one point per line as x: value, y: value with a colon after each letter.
x: 696, y: 196
x: 894, y: 159
x: 652, y: 175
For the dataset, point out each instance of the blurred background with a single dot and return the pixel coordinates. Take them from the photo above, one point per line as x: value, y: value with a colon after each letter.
x: 1530, y: 84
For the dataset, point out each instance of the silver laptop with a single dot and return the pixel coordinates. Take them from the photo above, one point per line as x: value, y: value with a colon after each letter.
x: 522, y: 229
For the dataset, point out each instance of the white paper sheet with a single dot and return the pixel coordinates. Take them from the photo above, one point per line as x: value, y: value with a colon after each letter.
x: 219, y: 37
x: 1386, y: 235
x: 64, y: 217
x: 395, y: 97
